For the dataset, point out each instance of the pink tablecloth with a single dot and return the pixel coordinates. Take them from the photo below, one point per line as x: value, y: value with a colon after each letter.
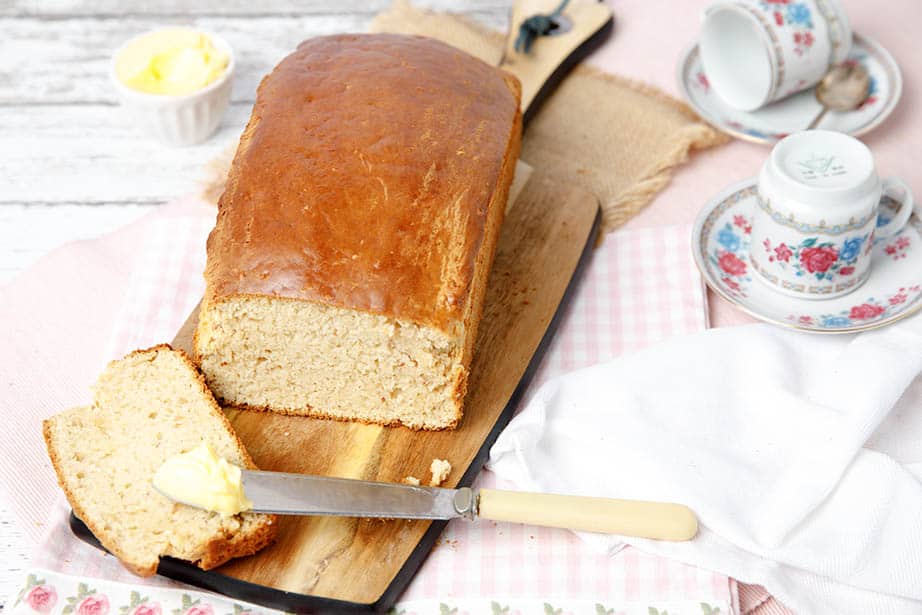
x: 620, y: 306
x: 650, y: 35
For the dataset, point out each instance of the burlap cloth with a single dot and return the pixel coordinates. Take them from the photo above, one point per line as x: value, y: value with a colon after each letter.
x: 619, y: 138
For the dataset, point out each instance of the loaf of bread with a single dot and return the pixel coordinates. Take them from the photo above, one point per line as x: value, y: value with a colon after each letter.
x: 347, y: 268
x: 149, y: 406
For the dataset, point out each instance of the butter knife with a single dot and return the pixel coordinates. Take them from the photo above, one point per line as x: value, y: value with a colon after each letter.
x: 300, y: 494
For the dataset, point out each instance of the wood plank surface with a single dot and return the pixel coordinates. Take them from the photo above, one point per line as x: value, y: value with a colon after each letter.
x: 69, y: 60
x: 60, y: 119
x: 356, y: 560
x: 29, y: 231
x: 237, y: 8
x: 112, y: 163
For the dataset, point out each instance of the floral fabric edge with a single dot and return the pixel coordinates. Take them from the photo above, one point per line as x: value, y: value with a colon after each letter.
x: 51, y: 593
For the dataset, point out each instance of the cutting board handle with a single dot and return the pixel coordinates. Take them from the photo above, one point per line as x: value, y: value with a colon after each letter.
x: 656, y: 520
x: 552, y: 57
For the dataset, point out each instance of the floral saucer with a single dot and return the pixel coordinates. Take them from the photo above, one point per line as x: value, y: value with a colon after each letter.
x: 776, y: 121
x: 720, y: 242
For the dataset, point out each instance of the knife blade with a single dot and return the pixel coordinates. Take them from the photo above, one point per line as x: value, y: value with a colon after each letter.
x: 301, y: 494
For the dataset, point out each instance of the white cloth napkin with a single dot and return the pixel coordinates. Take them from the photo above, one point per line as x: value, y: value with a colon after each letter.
x: 769, y: 435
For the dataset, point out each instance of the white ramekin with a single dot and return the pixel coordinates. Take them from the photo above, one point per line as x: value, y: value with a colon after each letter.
x: 178, y: 120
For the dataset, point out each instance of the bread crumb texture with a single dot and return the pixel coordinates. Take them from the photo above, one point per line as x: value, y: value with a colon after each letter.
x: 149, y: 406
x: 411, y: 480
x: 440, y: 469
x: 306, y: 358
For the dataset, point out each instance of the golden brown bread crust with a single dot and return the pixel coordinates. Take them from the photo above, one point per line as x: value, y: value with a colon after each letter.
x: 216, y: 552
x: 484, y: 262
x: 368, y: 178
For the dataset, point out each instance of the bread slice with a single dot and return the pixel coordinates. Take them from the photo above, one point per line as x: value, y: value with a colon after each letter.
x: 348, y: 265
x: 149, y: 406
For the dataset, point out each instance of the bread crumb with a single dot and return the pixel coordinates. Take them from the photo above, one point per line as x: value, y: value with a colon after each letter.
x: 440, y: 469
x: 411, y: 480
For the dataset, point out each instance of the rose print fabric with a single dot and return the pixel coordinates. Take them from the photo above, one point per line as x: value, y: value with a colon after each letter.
x: 41, y: 591
x: 51, y: 593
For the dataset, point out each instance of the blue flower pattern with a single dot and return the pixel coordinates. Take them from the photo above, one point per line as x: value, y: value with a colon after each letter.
x: 800, y: 14
x: 728, y: 239
x: 835, y: 322
x: 732, y: 242
x: 851, y: 248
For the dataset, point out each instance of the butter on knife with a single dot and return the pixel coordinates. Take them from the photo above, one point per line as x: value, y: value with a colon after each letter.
x: 202, y: 479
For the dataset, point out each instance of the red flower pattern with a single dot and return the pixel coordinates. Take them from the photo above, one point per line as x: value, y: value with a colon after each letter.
x: 897, y: 249
x: 740, y: 221
x: 818, y: 260
x: 42, y: 598
x: 97, y: 604
x: 870, y: 100
x: 782, y: 252
x: 732, y: 264
x: 866, y: 311
x: 846, y: 270
x: 779, y: 18
x: 703, y: 81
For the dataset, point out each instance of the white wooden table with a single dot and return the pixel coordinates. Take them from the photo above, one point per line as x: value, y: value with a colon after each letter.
x: 71, y: 167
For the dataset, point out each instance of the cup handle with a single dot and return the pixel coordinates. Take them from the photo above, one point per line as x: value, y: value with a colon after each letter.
x: 706, y: 11
x: 895, y: 184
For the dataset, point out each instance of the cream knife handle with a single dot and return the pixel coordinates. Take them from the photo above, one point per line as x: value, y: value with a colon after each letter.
x: 657, y: 520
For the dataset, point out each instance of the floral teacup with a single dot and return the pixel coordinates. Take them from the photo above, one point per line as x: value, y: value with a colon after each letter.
x: 759, y: 51
x: 819, y: 196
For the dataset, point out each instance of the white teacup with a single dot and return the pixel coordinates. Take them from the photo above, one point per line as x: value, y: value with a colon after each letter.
x: 758, y: 51
x: 819, y: 196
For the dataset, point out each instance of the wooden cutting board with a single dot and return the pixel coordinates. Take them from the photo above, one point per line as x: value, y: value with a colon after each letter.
x: 543, y: 240
x: 336, y: 563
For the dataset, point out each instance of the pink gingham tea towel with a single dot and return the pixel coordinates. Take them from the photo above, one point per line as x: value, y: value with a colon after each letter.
x: 640, y: 287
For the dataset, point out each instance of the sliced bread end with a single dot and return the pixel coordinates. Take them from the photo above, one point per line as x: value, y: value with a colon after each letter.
x: 149, y: 406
